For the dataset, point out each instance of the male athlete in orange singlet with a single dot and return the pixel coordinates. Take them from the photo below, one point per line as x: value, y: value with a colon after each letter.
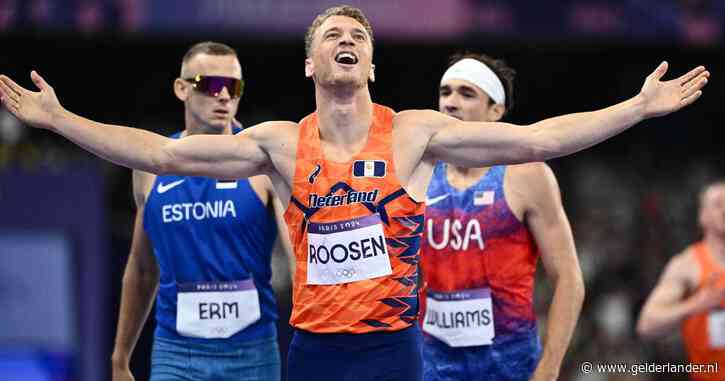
x: 691, y: 293
x: 354, y: 175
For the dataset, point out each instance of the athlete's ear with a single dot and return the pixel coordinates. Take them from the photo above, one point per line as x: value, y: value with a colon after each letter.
x: 309, y: 68
x: 702, y: 218
x: 495, y: 112
x: 372, y: 73
x: 181, y: 89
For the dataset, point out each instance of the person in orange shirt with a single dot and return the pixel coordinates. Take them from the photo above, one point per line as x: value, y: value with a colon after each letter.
x: 691, y: 293
x: 354, y: 175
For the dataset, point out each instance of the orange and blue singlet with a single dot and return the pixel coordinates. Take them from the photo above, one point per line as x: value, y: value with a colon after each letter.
x: 356, y: 237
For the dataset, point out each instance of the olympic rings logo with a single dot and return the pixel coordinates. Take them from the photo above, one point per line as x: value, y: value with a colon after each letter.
x: 346, y: 273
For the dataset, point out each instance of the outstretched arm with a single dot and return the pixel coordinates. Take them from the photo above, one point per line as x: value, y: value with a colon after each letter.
x: 213, y: 156
x: 477, y: 144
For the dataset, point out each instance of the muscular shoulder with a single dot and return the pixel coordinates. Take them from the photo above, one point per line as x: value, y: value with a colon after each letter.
x: 536, y: 172
x: 420, y: 120
x: 532, y: 183
x: 684, y: 268
x: 268, y: 132
x: 278, y: 140
x: 413, y: 129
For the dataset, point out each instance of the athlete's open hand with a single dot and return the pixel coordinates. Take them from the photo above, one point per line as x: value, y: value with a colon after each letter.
x: 33, y: 108
x: 663, y: 97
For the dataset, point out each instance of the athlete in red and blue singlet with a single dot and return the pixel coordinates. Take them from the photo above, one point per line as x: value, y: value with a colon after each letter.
x: 478, y: 255
x: 485, y: 230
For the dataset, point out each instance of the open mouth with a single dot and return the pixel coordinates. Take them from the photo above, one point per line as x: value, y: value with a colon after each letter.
x: 346, y: 58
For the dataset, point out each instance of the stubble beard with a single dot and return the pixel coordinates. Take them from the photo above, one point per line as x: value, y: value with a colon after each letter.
x: 341, y: 81
x: 208, y: 125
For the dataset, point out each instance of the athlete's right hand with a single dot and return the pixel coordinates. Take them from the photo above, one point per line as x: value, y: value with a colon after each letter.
x: 709, y: 296
x: 35, y: 108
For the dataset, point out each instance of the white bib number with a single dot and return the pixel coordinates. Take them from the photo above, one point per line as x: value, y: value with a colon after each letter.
x: 716, y: 328
x: 347, y: 251
x: 216, y: 310
x: 460, y: 318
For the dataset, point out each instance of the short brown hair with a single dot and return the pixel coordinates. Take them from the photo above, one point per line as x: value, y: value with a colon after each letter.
x: 207, y: 47
x: 504, y: 73
x: 341, y: 10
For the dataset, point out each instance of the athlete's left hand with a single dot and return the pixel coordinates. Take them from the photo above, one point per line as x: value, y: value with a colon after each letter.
x: 664, y: 97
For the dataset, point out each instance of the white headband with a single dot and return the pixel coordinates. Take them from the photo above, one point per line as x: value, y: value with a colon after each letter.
x: 476, y: 72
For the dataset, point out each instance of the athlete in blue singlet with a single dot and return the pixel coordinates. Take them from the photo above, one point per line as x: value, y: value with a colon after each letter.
x: 206, y: 246
x: 485, y: 229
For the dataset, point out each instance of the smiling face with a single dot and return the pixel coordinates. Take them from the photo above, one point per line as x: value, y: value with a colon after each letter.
x: 210, y: 114
x: 340, y: 54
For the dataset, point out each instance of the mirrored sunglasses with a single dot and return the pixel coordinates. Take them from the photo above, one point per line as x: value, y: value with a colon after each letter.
x: 212, y: 85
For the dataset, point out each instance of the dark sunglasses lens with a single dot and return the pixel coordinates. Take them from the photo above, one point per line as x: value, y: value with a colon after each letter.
x: 214, y: 85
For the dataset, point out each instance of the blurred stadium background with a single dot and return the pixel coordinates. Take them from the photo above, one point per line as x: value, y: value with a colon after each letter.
x: 66, y: 217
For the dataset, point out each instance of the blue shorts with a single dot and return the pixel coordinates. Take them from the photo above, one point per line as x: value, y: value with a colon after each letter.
x: 513, y: 360
x: 378, y: 356
x: 176, y: 360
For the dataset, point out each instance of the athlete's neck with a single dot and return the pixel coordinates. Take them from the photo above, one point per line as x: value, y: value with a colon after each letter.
x: 468, y: 172
x: 345, y: 114
x: 463, y: 178
x: 716, y: 245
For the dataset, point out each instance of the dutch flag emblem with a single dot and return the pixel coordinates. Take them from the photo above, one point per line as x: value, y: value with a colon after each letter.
x: 368, y: 168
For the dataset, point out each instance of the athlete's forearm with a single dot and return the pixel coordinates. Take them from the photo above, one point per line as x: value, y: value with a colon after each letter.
x: 570, y: 133
x: 562, y: 318
x: 137, y: 295
x: 658, y: 320
x: 129, y: 147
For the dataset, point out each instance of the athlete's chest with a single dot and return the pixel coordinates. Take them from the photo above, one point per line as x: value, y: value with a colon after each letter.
x: 362, y: 180
x: 177, y: 200
x: 459, y: 220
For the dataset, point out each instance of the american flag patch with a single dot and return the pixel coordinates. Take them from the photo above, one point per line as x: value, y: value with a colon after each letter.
x: 368, y: 168
x: 483, y: 197
x: 226, y: 184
